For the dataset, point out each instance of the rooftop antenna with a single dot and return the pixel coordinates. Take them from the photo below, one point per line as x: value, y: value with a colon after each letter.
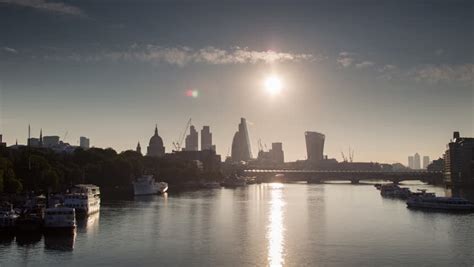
x: 29, y: 135
x: 29, y: 153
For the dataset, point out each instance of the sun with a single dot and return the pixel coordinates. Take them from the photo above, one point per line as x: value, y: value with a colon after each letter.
x: 273, y: 85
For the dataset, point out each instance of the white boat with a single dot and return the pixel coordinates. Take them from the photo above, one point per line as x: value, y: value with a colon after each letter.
x: 146, y: 185
x: 84, y: 198
x: 440, y: 203
x: 8, y: 217
x: 60, y: 218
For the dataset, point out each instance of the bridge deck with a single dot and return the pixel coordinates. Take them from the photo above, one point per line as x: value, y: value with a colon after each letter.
x: 345, y: 175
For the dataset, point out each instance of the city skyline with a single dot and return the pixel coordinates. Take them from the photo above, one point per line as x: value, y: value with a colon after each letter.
x: 357, y: 80
x: 237, y: 132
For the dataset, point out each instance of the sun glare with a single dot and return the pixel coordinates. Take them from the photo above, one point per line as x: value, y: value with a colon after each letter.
x: 273, y: 85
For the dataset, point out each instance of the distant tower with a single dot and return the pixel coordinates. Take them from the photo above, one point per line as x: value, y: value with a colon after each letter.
x: 241, y: 150
x: 206, y: 138
x: 84, y: 142
x: 426, y: 162
x: 2, y: 144
x: 314, y: 145
x: 276, y: 153
x: 139, y: 148
x: 192, y: 140
x: 155, y: 147
x: 29, y: 135
x: 41, y: 138
x: 411, y: 161
x: 416, y: 161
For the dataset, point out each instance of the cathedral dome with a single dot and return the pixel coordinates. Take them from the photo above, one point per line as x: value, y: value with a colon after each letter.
x: 155, y: 140
x: 156, y: 148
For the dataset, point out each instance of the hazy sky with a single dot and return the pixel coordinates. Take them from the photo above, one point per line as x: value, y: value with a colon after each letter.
x: 388, y: 79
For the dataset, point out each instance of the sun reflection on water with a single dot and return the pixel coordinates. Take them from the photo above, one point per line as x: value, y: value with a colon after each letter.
x: 275, y: 226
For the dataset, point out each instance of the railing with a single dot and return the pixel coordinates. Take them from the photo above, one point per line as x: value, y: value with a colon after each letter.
x: 338, y: 171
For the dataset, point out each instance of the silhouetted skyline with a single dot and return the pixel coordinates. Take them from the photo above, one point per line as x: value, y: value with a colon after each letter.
x: 385, y: 79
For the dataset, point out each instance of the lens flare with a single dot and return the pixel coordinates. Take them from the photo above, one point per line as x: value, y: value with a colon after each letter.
x: 194, y: 93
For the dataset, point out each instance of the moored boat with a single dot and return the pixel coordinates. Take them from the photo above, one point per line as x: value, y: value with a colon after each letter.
x: 59, y: 219
x: 234, y: 181
x: 84, y: 198
x: 392, y: 190
x: 146, y: 185
x: 441, y: 203
x: 8, y: 217
x: 422, y: 193
x: 30, y: 220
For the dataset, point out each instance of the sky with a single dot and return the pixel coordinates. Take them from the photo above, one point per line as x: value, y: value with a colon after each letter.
x: 385, y: 78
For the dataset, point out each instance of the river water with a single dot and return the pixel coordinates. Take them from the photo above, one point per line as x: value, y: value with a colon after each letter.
x: 263, y: 225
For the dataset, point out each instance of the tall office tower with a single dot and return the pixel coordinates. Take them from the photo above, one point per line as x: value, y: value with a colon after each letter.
x: 459, y: 161
x: 206, y: 138
x: 192, y: 140
x: 411, y: 161
x: 416, y: 161
x: 277, y: 153
x: 241, y: 150
x: 426, y: 162
x: 84, y: 142
x: 2, y: 144
x: 314, y: 145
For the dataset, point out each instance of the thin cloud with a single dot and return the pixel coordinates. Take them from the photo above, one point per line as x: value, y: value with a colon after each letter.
x: 350, y: 59
x: 388, y: 72
x: 182, y: 56
x: 364, y: 64
x: 56, y: 7
x: 463, y: 73
x: 345, y: 59
x: 444, y: 73
x: 9, y: 50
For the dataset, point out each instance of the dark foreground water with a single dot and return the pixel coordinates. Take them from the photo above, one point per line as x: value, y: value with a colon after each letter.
x: 267, y: 224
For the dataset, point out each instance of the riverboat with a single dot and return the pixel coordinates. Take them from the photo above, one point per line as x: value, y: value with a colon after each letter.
x: 84, y: 198
x: 440, y: 203
x: 146, y: 185
x: 59, y: 219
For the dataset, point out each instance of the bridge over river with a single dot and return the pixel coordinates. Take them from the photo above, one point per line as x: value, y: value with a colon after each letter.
x: 354, y: 176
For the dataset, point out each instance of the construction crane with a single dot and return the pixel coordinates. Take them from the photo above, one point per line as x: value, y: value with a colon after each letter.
x: 350, y: 155
x: 178, y: 144
x: 260, y: 146
x: 344, y: 159
x: 65, y: 135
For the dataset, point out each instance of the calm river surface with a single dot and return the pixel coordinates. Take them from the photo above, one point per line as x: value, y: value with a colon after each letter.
x: 267, y: 224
